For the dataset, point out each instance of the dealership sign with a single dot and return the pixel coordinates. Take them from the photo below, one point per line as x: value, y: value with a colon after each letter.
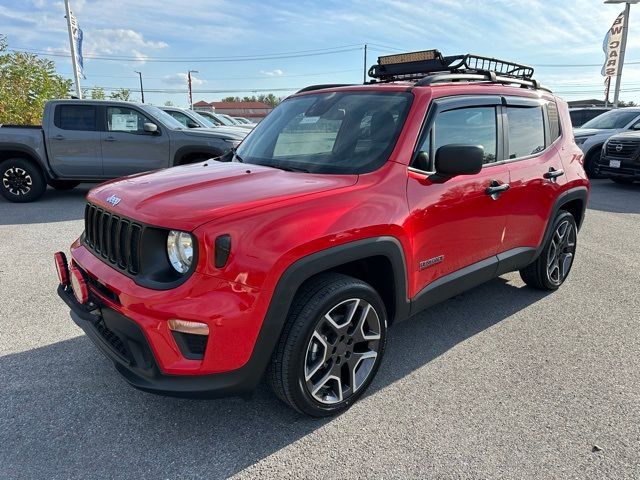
x: 612, y: 46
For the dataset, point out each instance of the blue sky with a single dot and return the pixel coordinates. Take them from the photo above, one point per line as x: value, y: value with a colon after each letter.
x: 536, y: 32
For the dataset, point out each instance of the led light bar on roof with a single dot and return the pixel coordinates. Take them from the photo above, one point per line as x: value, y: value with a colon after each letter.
x: 409, y: 57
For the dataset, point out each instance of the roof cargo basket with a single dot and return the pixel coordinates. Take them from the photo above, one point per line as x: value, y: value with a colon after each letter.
x: 430, y: 66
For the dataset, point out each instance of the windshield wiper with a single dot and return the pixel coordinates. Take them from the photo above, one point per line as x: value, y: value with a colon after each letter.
x: 287, y: 168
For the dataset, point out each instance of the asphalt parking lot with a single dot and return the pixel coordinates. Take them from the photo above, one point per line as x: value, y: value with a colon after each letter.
x: 500, y: 382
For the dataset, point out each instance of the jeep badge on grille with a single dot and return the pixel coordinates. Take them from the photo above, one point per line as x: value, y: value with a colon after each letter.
x: 113, y: 200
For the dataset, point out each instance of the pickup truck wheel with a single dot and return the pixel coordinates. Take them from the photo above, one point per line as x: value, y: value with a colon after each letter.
x: 63, y: 184
x: 331, y: 346
x: 552, y: 267
x: 21, y: 180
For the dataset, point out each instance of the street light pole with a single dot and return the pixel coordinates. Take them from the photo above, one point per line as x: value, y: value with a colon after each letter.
x: 72, y: 47
x: 190, y: 90
x: 141, y: 88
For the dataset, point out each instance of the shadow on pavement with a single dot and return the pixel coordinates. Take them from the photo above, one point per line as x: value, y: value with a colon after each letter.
x: 66, y: 412
x: 53, y: 206
x: 608, y: 196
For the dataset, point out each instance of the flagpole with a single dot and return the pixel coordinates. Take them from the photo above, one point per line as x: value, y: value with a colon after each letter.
x: 623, y: 47
x: 72, y: 45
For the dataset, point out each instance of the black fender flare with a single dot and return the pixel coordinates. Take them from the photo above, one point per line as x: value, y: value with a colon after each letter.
x: 33, y: 155
x: 303, y: 269
x: 575, y: 193
x: 188, y: 150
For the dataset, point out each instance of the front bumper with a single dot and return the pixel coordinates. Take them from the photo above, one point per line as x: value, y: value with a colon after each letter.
x: 124, y: 343
x: 628, y: 169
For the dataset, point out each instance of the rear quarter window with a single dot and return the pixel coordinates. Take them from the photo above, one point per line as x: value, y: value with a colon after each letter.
x: 526, y: 131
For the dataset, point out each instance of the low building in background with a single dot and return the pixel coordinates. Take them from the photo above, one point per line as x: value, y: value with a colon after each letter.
x: 254, y: 111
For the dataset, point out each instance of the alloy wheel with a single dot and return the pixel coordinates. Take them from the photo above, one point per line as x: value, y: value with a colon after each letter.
x: 17, y: 181
x: 342, y: 351
x: 561, y: 252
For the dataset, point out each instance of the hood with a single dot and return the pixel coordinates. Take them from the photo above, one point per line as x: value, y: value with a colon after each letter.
x: 631, y: 134
x: 585, y: 132
x: 228, y: 133
x: 185, y: 197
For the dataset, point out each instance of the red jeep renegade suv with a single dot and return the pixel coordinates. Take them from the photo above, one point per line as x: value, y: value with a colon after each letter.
x: 349, y: 208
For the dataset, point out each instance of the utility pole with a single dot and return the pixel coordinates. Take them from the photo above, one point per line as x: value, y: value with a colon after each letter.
x: 623, y: 46
x: 72, y: 47
x: 190, y: 90
x: 364, y: 73
x: 141, y: 88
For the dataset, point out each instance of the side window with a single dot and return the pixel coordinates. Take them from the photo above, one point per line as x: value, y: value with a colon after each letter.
x: 123, y: 119
x: 526, y: 131
x: 466, y: 126
x: 554, y: 121
x: 75, y: 117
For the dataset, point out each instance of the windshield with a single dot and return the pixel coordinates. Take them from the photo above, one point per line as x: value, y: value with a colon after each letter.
x: 164, y: 117
x: 224, y: 120
x: 202, y: 119
x: 340, y: 132
x: 612, y: 119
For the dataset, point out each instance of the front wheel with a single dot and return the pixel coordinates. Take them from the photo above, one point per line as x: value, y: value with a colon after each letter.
x: 552, y: 267
x: 21, y: 180
x: 331, y: 346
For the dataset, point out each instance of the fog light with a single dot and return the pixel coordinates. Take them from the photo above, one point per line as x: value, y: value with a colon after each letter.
x: 62, y: 268
x: 185, y: 326
x: 79, y: 285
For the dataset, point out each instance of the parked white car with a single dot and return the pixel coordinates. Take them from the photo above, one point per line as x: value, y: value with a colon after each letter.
x: 592, y: 135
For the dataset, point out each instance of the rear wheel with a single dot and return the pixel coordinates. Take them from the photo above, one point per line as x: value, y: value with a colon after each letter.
x: 331, y: 346
x: 63, y: 184
x: 552, y: 267
x: 21, y: 180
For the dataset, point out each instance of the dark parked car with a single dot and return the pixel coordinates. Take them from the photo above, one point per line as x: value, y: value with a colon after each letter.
x: 580, y: 116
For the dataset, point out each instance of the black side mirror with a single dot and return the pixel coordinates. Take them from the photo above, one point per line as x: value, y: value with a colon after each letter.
x: 452, y: 160
x: 635, y: 126
x: 192, y: 124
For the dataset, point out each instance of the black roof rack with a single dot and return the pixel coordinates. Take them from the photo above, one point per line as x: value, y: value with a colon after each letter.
x: 430, y: 66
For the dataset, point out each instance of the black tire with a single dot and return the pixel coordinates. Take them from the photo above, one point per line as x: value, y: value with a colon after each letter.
x: 289, y: 369
x: 63, y: 184
x: 21, y: 180
x: 552, y: 266
x: 590, y: 163
x: 623, y: 181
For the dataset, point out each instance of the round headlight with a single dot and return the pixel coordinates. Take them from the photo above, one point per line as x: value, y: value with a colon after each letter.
x: 180, y: 250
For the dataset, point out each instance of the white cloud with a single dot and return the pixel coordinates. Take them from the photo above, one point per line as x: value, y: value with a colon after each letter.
x: 114, y: 41
x: 272, y: 73
x: 181, y: 79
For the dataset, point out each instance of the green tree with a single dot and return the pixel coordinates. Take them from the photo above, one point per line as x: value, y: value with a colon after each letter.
x: 627, y: 104
x: 98, y: 94
x: 270, y: 99
x: 123, y: 94
x: 26, y: 83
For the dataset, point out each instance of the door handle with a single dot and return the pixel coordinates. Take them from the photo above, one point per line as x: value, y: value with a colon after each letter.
x: 109, y: 139
x: 496, y: 188
x: 553, y: 173
x: 58, y: 137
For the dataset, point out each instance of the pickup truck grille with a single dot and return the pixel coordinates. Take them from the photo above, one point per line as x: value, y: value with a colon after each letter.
x: 115, y: 239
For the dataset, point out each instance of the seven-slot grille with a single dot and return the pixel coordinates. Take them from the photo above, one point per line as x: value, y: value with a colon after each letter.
x: 623, y: 148
x: 113, y: 238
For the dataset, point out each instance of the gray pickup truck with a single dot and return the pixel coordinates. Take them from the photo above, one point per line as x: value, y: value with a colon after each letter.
x: 96, y: 140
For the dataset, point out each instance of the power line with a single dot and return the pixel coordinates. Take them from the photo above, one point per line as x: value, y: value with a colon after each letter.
x: 263, y: 77
x: 246, y: 58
